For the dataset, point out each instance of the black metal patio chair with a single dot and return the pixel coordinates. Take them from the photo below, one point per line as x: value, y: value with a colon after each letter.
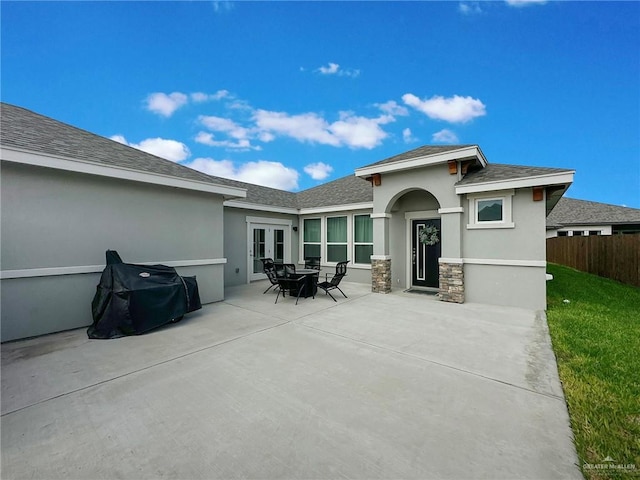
x: 327, y: 285
x: 269, y: 269
x: 312, y: 262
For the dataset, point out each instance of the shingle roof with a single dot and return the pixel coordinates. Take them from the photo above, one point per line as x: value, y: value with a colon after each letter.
x: 423, y: 151
x: 27, y: 130
x: 495, y: 172
x: 343, y: 191
x: 23, y: 129
x: 570, y: 211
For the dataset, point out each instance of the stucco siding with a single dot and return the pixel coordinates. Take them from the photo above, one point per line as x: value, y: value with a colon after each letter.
x: 435, y: 179
x: 61, y: 220
x: 514, y: 286
x: 235, y: 241
x: 525, y: 241
x: 521, y: 281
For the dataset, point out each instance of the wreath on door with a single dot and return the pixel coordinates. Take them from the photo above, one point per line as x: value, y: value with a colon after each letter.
x: 429, y: 235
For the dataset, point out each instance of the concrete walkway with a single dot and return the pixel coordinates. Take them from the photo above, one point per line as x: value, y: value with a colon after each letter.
x: 374, y: 386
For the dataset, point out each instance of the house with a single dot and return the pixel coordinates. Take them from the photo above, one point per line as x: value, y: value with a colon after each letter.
x: 572, y: 217
x: 436, y: 218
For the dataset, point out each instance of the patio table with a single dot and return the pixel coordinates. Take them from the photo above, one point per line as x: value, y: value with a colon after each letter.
x: 310, y: 281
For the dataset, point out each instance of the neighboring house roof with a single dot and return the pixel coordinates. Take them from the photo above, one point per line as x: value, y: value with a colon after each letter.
x: 570, y: 211
x: 27, y: 131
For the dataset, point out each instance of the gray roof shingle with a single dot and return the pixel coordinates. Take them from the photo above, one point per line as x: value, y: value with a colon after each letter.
x: 343, y: 191
x: 423, y: 151
x: 570, y: 211
x: 495, y: 172
x: 23, y: 129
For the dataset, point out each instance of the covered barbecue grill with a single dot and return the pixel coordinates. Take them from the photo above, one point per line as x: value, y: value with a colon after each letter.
x: 133, y: 299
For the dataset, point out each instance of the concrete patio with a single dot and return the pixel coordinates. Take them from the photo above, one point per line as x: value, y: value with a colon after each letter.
x: 374, y: 386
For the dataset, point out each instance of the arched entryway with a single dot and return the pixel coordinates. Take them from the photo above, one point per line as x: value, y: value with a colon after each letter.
x: 415, y: 239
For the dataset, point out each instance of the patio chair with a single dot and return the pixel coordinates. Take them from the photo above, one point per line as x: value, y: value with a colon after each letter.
x: 312, y: 262
x: 269, y: 269
x: 327, y: 285
x: 290, y: 282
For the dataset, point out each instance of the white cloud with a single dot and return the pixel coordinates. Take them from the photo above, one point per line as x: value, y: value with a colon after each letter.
x: 306, y: 127
x: 392, y: 108
x: 454, y: 109
x: 199, y: 97
x: 445, y: 136
x: 262, y: 172
x: 469, y: 8
x: 161, y: 147
x: 360, y: 132
x: 119, y: 139
x: 524, y: 3
x: 207, y: 138
x: 223, y: 6
x: 407, y: 136
x: 219, y: 124
x: 318, y: 171
x: 330, y: 69
x: 334, y: 69
x: 164, y: 104
x: 352, y: 131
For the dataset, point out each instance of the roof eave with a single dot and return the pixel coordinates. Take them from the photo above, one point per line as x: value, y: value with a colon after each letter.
x: 38, y: 159
x: 559, y: 178
x: 424, y: 161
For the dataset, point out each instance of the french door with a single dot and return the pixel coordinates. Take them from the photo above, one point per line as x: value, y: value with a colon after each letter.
x: 424, y: 258
x: 266, y: 241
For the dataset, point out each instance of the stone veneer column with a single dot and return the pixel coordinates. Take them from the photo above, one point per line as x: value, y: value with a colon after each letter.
x: 451, y: 282
x: 381, y: 276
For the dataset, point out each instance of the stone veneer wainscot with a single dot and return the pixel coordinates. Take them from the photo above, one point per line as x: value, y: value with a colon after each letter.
x: 451, y: 282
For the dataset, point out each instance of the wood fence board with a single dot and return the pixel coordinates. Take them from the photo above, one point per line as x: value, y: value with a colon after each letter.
x: 612, y: 256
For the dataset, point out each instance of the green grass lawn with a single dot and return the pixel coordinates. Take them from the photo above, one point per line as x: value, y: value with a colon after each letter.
x: 595, y: 329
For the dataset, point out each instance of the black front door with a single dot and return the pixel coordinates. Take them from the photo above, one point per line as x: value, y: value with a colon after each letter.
x: 424, y: 258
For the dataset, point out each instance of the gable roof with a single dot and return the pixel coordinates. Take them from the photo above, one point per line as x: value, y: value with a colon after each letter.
x: 423, y: 151
x: 25, y: 131
x: 571, y: 211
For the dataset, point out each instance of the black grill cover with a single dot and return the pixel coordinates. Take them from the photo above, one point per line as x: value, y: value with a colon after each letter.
x: 132, y: 299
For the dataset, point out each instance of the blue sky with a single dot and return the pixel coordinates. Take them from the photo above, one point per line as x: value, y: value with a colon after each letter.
x: 292, y: 95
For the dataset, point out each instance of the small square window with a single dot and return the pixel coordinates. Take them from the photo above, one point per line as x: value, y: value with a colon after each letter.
x: 490, y: 210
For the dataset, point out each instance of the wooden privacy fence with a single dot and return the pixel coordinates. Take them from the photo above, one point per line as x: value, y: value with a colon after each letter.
x: 612, y: 256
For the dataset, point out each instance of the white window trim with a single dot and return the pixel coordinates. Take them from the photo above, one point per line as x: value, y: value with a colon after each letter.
x: 507, y: 210
x: 323, y: 237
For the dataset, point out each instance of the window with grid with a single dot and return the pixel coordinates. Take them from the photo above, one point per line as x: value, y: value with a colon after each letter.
x: 312, y: 238
x: 336, y: 239
x: 362, y: 238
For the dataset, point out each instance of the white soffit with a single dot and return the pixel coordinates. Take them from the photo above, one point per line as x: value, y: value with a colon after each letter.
x: 535, y: 181
x: 79, y: 166
x: 424, y: 161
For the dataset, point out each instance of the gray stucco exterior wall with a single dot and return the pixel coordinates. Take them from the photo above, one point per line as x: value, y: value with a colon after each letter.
x: 515, y: 284
x: 56, y: 219
x: 236, y: 241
